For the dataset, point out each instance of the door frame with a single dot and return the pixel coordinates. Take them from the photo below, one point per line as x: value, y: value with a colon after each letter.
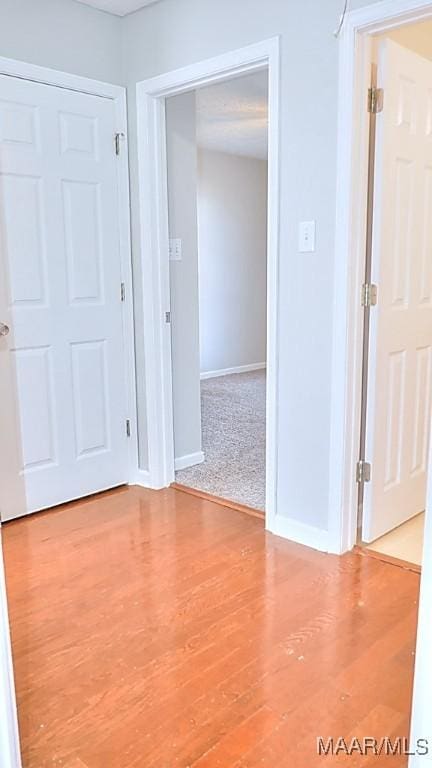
x: 34, y: 73
x: 421, y: 721
x: 351, y: 206
x: 153, y: 195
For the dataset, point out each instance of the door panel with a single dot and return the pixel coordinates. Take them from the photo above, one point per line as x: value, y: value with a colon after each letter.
x: 91, y: 402
x: 399, y: 387
x: 60, y: 241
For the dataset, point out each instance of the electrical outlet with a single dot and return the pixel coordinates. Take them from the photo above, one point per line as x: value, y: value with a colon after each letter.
x: 306, y: 237
x: 175, y: 249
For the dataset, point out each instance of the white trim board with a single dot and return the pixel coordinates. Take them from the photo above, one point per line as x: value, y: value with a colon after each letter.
x: 55, y: 77
x: 9, y: 736
x: 351, y: 202
x: 229, y: 371
x: 51, y: 77
x: 300, y: 533
x: 191, y: 460
x: 152, y: 169
x: 141, y: 478
x: 421, y: 721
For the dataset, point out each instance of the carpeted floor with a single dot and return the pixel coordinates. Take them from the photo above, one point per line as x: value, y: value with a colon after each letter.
x: 233, y: 429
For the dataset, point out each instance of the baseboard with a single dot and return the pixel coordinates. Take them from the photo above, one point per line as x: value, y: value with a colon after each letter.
x: 228, y: 371
x: 142, y: 478
x: 9, y: 736
x: 183, y: 462
x: 300, y: 533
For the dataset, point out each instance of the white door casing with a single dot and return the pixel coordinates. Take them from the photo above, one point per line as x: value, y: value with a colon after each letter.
x: 400, y: 370
x: 60, y: 242
x: 12, y: 488
x: 421, y: 717
x: 154, y: 235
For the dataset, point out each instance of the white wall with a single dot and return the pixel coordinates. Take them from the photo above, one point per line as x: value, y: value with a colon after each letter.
x: 62, y: 34
x: 421, y: 722
x: 172, y: 34
x: 182, y: 202
x: 232, y: 248
x: 67, y: 35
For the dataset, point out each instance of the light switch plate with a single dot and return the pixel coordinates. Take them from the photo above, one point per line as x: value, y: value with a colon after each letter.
x: 307, y: 236
x: 175, y: 249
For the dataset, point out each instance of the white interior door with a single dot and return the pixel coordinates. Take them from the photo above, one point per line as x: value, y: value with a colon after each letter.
x: 400, y: 372
x: 60, y: 250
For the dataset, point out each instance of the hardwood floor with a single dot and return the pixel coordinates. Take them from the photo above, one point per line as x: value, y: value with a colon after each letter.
x: 161, y: 630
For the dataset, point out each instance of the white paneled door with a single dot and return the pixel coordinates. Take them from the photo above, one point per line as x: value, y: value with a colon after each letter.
x: 59, y: 239
x: 400, y: 381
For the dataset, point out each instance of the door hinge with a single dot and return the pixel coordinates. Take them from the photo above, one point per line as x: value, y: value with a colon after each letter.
x: 128, y: 428
x: 369, y: 295
x: 363, y: 472
x: 117, y: 139
x: 167, y: 317
x: 375, y: 100
x: 122, y: 292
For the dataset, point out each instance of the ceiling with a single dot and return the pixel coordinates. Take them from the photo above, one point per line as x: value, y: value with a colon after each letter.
x: 118, y: 7
x: 232, y: 116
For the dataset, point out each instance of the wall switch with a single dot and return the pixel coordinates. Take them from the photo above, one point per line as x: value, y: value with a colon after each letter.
x: 307, y: 237
x: 175, y: 249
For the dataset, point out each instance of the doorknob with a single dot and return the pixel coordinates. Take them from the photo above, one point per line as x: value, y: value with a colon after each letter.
x: 4, y: 329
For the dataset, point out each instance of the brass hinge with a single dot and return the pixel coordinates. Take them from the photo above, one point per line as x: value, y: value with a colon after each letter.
x: 375, y: 100
x: 369, y: 295
x: 128, y: 428
x: 117, y: 139
x: 122, y: 292
x: 363, y: 472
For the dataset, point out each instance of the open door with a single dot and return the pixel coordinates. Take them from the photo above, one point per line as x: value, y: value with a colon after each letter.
x: 400, y: 359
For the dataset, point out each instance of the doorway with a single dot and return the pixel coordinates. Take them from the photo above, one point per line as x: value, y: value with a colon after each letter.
x: 356, y: 44
x: 397, y: 298
x: 155, y: 235
x: 217, y: 146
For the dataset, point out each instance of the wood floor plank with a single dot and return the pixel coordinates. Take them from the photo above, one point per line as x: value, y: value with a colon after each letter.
x: 160, y: 629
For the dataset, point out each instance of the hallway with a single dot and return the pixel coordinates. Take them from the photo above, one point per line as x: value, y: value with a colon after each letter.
x: 155, y: 629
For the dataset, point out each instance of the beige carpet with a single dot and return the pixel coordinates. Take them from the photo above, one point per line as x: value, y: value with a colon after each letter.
x: 233, y: 431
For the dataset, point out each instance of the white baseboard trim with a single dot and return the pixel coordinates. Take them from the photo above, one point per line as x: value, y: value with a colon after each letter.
x: 228, y: 371
x: 300, y: 533
x: 142, y: 478
x: 9, y: 736
x: 189, y: 461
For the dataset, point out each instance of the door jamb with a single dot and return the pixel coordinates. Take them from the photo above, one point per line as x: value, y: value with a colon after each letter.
x: 31, y: 72
x: 351, y: 204
x: 152, y: 161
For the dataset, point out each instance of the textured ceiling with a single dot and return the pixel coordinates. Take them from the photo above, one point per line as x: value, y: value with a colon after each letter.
x: 233, y: 116
x: 118, y: 7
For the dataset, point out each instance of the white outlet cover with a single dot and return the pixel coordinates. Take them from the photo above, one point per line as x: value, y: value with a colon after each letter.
x: 175, y: 249
x: 307, y: 231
